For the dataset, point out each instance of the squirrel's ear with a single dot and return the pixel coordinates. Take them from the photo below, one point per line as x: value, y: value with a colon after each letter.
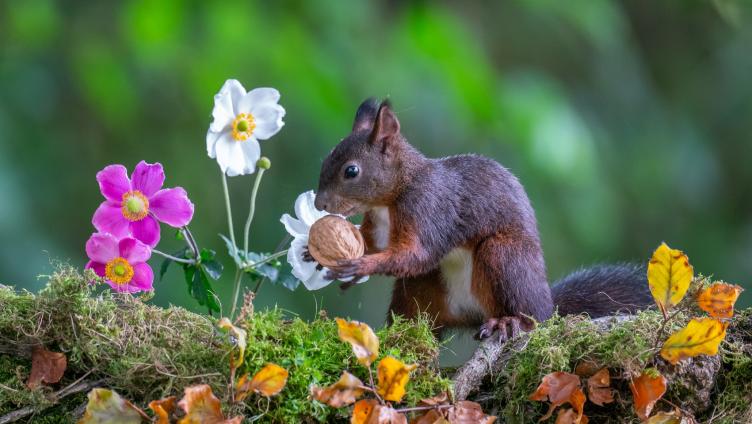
x: 366, y: 114
x: 386, y: 128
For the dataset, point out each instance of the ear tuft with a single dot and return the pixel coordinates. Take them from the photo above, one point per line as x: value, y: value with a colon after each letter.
x: 366, y: 114
x: 386, y: 128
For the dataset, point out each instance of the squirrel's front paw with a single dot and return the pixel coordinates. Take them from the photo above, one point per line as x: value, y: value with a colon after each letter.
x: 506, y: 327
x: 307, y: 257
x: 348, y: 268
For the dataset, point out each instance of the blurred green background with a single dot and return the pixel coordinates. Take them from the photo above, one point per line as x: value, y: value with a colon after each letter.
x: 628, y: 122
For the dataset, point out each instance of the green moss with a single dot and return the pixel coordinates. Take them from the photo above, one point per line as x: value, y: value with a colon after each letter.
x: 146, y: 352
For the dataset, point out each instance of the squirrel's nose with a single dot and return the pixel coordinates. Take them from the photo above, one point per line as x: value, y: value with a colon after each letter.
x: 321, y: 201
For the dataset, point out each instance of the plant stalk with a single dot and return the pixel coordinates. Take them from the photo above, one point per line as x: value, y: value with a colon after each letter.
x: 173, y: 258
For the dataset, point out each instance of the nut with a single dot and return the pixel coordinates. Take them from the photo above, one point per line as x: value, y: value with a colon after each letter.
x: 333, y: 238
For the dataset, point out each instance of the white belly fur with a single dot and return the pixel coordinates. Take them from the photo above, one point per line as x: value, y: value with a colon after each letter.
x: 381, y: 227
x: 457, y: 272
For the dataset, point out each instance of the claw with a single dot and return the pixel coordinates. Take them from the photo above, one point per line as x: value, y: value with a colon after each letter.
x: 307, y: 257
x: 507, y: 328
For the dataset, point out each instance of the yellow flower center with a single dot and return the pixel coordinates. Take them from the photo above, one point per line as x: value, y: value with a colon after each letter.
x: 243, y: 126
x: 135, y: 205
x: 119, y: 271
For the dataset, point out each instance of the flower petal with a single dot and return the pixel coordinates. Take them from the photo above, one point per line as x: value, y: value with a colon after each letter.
x: 143, y: 278
x: 133, y: 250
x: 317, y: 280
x: 147, y: 178
x: 252, y: 153
x: 268, y: 120
x: 108, y: 218
x: 146, y: 230
x: 301, y: 269
x: 256, y: 97
x: 225, y: 104
x: 211, y: 141
x: 172, y: 207
x: 102, y: 247
x: 293, y: 226
x: 113, y: 182
x: 98, y: 267
x: 305, y: 209
x: 230, y: 156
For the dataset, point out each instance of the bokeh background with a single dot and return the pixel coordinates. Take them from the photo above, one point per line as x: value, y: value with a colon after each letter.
x: 628, y: 122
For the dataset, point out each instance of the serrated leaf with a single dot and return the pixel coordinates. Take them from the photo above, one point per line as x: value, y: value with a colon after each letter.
x: 232, y: 250
x: 393, y: 376
x: 718, y: 300
x: 364, y: 342
x: 647, y: 389
x: 701, y: 336
x: 202, y: 407
x: 199, y: 287
x: 669, y: 276
x: 342, y: 393
x: 107, y: 407
x: 212, y: 268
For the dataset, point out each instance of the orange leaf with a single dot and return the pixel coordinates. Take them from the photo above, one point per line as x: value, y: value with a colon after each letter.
x: 599, y: 388
x: 269, y: 381
x: 718, y: 299
x: 669, y: 276
x: 342, y: 393
x: 393, y: 376
x: 202, y: 407
x: 570, y: 416
x: 560, y: 388
x: 107, y: 407
x: 46, y: 367
x: 440, y: 399
x: 466, y: 412
x: 431, y: 417
x: 701, y: 336
x: 162, y: 409
x: 364, y: 342
x: 646, y: 390
x: 368, y: 411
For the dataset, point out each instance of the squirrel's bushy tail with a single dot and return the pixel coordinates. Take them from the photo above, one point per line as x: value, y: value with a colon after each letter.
x: 603, y: 290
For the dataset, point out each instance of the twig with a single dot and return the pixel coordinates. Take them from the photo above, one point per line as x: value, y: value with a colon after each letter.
x: 370, y: 380
x: 76, y: 387
x: 424, y: 408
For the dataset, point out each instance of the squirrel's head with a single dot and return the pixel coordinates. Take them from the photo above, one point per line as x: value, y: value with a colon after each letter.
x: 363, y: 170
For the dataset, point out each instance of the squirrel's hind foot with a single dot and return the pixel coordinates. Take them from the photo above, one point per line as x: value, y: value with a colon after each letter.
x: 506, y: 328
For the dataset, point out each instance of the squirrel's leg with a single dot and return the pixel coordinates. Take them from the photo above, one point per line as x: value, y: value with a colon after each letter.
x: 424, y: 294
x: 509, y: 281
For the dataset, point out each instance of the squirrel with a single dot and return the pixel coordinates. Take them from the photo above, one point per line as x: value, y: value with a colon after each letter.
x: 458, y: 233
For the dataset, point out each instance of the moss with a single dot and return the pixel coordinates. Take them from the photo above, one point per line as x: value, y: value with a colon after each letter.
x: 146, y: 352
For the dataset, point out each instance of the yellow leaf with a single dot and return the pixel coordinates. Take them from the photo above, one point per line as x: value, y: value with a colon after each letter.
x: 162, y: 409
x: 669, y: 276
x: 107, y: 407
x: 342, y: 393
x: 701, y: 336
x: 393, y: 376
x: 665, y: 418
x: 364, y: 342
x: 368, y: 411
x: 239, y: 339
x: 202, y: 407
x: 269, y: 381
x: 718, y: 299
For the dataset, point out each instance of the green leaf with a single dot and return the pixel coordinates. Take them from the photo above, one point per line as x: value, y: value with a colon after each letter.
x: 268, y: 270
x: 212, y: 268
x: 207, y: 254
x: 289, y: 281
x: 232, y: 250
x: 166, y: 262
x: 200, y: 288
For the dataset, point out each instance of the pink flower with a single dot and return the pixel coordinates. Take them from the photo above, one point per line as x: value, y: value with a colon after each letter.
x: 122, y: 263
x: 134, y: 205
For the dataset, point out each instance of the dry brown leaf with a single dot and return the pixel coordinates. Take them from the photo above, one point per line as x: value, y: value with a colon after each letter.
x: 701, y: 336
x: 431, y: 417
x: 163, y: 408
x: 202, y: 407
x: 587, y: 368
x: 269, y: 381
x: 107, y: 407
x: 342, y: 393
x: 368, y: 411
x: 559, y: 388
x: 646, y: 390
x: 46, y: 367
x: 440, y: 399
x: 466, y: 412
x: 393, y: 376
x: 364, y: 342
x: 599, y: 388
x: 570, y: 416
x: 718, y: 299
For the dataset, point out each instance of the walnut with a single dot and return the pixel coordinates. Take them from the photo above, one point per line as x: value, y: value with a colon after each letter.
x: 333, y: 238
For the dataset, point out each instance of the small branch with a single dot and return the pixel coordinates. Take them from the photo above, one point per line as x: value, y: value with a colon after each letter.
x: 174, y: 258
x: 81, y: 386
x: 424, y: 408
x: 370, y: 380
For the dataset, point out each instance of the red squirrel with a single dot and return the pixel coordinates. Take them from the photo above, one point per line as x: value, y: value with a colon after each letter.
x: 459, y: 234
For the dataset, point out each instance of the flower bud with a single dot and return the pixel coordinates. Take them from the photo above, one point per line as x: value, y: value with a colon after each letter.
x: 264, y: 163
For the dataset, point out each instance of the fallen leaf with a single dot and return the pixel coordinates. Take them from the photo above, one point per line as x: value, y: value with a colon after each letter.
x: 646, y: 390
x: 393, y: 376
x: 269, y: 381
x: 46, y: 367
x: 701, y: 336
x: 570, y: 416
x: 368, y: 411
x: 440, y: 399
x: 665, y: 418
x: 239, y: 339
x: 202, y: 407
x: 587, y: 368
x: 431, y: 417
x: 342, y: 393
x: 669, y: 276
x: 559, y: 388
x: 364, y: 342
x: 599, y: 388
x: 718, y: 299
x: 466, y: 412
x: 163, y: 408
x: 107, y: 407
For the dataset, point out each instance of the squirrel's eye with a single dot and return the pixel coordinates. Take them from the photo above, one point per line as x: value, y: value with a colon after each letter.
x: 352, y: 171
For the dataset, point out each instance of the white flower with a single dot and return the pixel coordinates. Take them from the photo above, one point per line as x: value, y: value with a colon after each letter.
x: 299, y: 228
x: 240, y: 120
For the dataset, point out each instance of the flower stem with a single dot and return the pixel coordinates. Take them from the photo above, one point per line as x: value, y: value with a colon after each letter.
x: 173, y: 258
x: 236, y: 284
x: 231, y: 228
x: 265, y: 260
x: 252, y: 209
x: 191, y: 242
